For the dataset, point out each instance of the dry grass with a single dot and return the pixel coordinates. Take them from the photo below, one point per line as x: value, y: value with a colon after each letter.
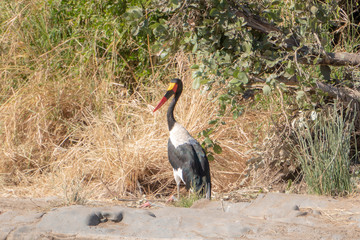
x: 68, y: 147
x: 81, y: 136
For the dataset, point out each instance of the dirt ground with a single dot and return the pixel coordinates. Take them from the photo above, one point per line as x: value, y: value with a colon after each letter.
x: 268, y: 216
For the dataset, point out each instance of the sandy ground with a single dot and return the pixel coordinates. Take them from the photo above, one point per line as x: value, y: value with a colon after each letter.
x: 269, y: 216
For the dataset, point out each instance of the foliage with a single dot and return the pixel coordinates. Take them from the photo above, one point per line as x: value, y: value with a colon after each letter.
x: 77, y: 74
x: 231, y: 56
x: 208, y: 143
x: 324, y: 152
x: 134, y: 37
x: 96, y: 30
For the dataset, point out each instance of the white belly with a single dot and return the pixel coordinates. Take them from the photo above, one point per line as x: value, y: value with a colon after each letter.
x: 178, y: 176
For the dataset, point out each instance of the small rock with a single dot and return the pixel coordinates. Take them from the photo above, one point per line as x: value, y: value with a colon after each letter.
x: 296, y: 208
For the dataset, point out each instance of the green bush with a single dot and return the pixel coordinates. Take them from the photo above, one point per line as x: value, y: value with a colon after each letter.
x: 324, y: 152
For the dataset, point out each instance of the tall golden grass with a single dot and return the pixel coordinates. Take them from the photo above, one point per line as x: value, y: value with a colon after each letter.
x: 83, y: 136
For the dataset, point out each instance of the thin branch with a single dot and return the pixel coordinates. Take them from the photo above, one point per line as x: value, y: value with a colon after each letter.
x: 334, y: 59
x: 344, y: 93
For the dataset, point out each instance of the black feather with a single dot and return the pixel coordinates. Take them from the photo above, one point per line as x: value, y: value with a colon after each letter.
x: 191, y: 158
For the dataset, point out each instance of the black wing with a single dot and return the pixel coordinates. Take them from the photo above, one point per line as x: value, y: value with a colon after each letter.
x: 185, y: 158
x: 203, y: 159
x: 191, y: 158
x: 205, y: 167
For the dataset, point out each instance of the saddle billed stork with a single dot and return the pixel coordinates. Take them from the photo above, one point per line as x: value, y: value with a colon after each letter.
x: 186, y: 156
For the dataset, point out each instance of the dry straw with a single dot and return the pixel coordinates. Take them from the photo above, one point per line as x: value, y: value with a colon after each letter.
x: 53, y: 140
x: 74, y: 131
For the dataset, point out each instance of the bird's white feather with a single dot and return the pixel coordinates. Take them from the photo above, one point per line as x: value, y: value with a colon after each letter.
x: 179, y: 135
x: 178, y: 175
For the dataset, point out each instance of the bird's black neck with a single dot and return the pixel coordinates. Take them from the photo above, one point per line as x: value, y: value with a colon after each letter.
x: 170, y: 112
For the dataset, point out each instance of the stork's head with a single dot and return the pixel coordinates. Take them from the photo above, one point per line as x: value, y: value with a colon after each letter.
x: 175, y: 87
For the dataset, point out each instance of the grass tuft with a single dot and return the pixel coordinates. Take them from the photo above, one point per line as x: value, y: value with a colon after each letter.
x: 324, y: 152
x: 187, y: 202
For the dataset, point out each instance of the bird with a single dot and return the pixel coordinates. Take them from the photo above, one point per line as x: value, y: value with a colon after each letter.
x: 186, y: 156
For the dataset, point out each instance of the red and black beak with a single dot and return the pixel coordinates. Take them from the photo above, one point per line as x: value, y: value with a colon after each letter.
x: 170, y: 91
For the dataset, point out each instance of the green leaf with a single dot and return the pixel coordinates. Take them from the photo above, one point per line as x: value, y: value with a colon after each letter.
x: 299, y: 95
x: 210, y: 157
x: 196, y: 83
x: 224, y: 97
x: 135, y: 30
x: 134, y: 13
x: 207, y: 132
x: 266, y: 89
x: 195, y: 47
x: 195, y: 66
x: 271, y: 77
x: 175, y: 2
x: 212, y: 122
x: 159, y: 29
x: 208, y: 141
x: 204, y: 80
x: 247, y: 47
x: 235, y: 73
x: 234, y: 81
x: 313, y: 10
x: 214, y: 12
x: 196, y: 74
x: 271, y: 64
x: 164, y: 54
x: 257, y: 67
x: 236, y: 114
x: 217, y: 149
x: 243, y: 77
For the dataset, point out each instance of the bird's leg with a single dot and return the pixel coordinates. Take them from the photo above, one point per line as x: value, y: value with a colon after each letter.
x: 208, y: 191
x: 178, y: 190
